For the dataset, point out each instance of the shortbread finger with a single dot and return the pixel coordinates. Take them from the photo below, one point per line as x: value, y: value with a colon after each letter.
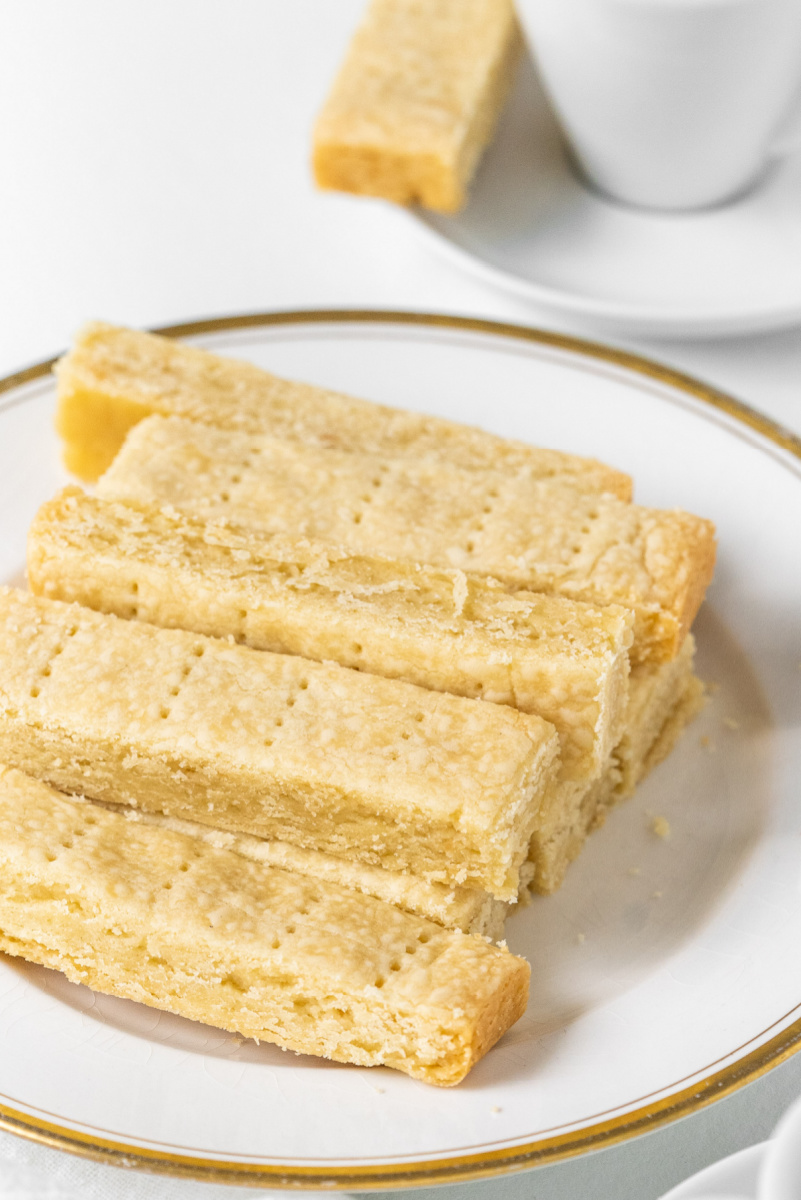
x: 114, y: 377
x: 533, y: 534
x: 468, y: 909
x: 441, y: 629
x: 578, y: 809
x: 664, y: 699
x: 167, y: 920
x: 310, y: 753
x: 416, y: 100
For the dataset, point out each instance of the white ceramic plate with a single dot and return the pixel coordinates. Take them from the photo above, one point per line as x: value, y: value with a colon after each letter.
x: 531, y: 228
x: 665, y: 973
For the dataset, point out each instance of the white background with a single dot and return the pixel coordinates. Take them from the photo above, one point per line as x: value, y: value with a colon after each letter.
x: 154, y: 168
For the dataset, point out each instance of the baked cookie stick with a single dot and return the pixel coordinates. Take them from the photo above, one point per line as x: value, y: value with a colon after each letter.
x: 530, y: 533
x: 663, y: 700
x: 314, y: 754
x: 416, y: 100
x: 468, y: 909
x: 441, y: 629
x: 167, y: 920
x: 564, y: 826
x: 114, y: 377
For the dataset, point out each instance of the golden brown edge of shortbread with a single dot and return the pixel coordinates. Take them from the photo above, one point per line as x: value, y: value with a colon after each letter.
x: 681, y: 566
x: 691, y: 547
x: 506, y: 1006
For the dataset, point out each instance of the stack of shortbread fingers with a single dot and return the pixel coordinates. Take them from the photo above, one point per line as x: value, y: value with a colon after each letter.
x: 310, y: 692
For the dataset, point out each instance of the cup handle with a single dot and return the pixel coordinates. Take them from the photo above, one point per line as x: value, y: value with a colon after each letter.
x: 787, y: 136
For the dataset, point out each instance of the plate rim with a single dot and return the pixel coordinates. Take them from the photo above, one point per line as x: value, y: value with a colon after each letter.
x: 487, y: 1163
x: 664, y: 322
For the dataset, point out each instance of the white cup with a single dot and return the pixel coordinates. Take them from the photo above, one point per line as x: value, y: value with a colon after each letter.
x: 670, y: 104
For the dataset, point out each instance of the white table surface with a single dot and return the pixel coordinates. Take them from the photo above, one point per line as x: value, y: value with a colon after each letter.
x: 154, y: 168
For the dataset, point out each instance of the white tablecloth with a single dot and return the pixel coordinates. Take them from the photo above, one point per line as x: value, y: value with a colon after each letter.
x: 154, y: 168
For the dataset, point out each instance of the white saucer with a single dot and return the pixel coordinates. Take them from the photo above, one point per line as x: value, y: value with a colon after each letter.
x: 531, y: 228
x: 734, y: 1177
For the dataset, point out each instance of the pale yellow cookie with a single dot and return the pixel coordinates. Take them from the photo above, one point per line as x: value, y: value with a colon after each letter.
x: 441, y: 629
x: 416, y: 100
x: 528, y: 532
x: 326, y: 758
x: 663, y: 700
x: 468, y: 909
x: 172, y: 922
x: 114, y: 377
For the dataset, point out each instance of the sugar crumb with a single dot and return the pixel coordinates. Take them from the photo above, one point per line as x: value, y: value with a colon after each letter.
x: 381, y: 1091
x: 581, y: 938
x: 661, y: 827
x: 657, y: 895
x: 635, y: 870
x: 707, y: 744
x: 495, y: 1109
x: 730, y: 723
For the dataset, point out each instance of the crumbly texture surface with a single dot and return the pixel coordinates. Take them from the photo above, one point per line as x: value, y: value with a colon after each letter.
x: 170, y: 921
x: 664, y: 699
x: 416, y: 100
x: 114, y: 377
x: 310, y: 753
x: 468, y: 909
x: 561, y: 839
x: 530, y: 533
x: 441, y: 629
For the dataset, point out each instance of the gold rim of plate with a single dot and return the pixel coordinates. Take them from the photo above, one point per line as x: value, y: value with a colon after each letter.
x: 647, y: 1116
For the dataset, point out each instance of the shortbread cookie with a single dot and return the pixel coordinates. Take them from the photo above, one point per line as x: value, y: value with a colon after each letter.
x: 441, y: 629
x: 416, y: 100
x: 114, y: 377
x: 664, y: 699
x: 310, y: 753
x: 154, y: 916
x: 468, y: 909
x: 576, y: 810
x: 529, y: 533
